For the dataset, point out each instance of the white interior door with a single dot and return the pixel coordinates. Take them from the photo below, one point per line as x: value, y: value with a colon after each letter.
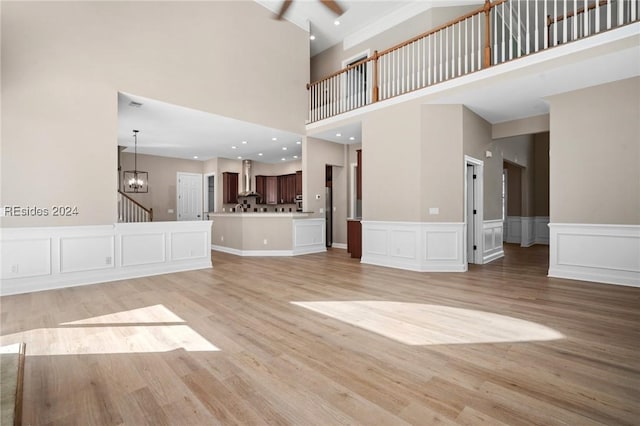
x: 189, y: 196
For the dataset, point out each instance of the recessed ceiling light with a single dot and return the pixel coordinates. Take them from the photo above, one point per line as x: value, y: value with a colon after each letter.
x: 274, y: 139
x: 336, y: 22
x: 284, y: 159
x: 338, y: 134
x: 234, y: 147
x: 244, y: 142
x: 239, y: 157
x: 312, y: 37
x: 284, y: 148
x: 299, y: 142
x: 195, y: 157
x: 352, y: 138
x: 260, y: 154
x: 295, y: 156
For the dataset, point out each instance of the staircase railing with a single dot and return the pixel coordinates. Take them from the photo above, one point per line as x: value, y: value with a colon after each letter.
x: 498, y: 32
x: 129, y: 210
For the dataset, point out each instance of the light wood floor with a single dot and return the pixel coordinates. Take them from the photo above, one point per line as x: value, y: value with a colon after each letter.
x: 501, y: 344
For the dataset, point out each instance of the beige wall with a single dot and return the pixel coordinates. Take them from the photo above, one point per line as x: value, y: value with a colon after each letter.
x: 442, y: 161
x: 477, y: 141
x: 316, y: 154
x: 541, y: 174
x: 162, y: 181
x: 523, y: 126
x: 594, y: 173
x: 514, y: 189
x: 330, y: 60
x: 63, y: 64
x: 250, y: 233
x: 518, y: 150
x: 391, y: 163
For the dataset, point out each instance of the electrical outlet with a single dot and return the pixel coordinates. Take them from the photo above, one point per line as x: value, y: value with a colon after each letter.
x: 15, y: 268
x: 222, y: 238
x: 264, y: 242
x: 321, y: 210
x: 107, y: 260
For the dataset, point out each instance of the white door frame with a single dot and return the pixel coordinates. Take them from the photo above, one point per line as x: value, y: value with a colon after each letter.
x: 352, y: 190
x: 205, y: 191
x: 178, y: 175
x: 478, y: 166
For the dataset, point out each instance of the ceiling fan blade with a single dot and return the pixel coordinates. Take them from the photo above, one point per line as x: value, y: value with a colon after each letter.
x: 333, y: 6
x: 283, y: 8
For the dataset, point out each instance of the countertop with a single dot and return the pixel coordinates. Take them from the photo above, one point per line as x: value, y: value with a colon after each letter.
x: 296, y: 215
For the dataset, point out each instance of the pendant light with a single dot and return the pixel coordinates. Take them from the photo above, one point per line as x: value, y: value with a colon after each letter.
x: 136, y: 180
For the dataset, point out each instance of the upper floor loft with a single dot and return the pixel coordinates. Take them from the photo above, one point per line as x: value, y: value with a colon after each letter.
x: 498, y: 32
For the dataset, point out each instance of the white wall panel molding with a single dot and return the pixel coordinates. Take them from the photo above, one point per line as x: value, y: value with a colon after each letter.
x: 514, y: 229
x: 593, y: 252
x: 527, y: 237
x: 492, y: 237
x: 35, y: 259
x: 541, y: 229
x: 308, y: 236
x: 416, y: 246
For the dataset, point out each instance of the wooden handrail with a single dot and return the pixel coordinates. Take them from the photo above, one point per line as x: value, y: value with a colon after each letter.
x: 484, y: 9
x: 148, y: 210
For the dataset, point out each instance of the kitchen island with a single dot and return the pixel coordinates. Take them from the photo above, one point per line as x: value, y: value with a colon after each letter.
x: 267, y: 234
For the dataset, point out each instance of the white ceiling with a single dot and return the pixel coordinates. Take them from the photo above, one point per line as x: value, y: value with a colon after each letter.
x: 174, y: 131
x: 361, y: 16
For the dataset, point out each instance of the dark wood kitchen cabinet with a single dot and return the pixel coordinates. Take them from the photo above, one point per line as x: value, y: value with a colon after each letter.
x: 271, y: 190
x: 287, y: 189
x: 354, y: 238
x: 261, y: 188
x: 229, y: 188
x: 299, y: 182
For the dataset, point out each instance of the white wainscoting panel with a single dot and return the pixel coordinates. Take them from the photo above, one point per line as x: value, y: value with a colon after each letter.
x: 492, y: 237
x: 35, y: 259
x: 142, y: 249
x: 22, y: 258
x: 527, y: 235
x: 591, y: 252
x: 416, y: 246
x: 541, y: 229
x: 189, y: 245
x: 514, y: 230
x: 308, y: 236
x: 86, y: 253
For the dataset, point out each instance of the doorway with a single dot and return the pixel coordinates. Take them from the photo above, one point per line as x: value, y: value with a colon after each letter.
x: 473, y: 209
x: 189, y: 196
x: 329, y: 205
x: 209, y: 193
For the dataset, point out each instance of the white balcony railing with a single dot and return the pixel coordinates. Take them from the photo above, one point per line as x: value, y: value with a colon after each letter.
x: 499, y: 32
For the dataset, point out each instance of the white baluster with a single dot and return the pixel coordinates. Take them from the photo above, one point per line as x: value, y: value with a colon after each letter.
x: 472, y: 52
x: 527, y: 32
x: 545, y: 42
x: 634, y: 6
x: 466, y: 46
x: 564, y: 21
x: 586, y: 18
x: 480, y: 43
x: 510, y: 31
x: 575, y: 19
x: 597, y: 21
x: 495, y: 35
x: 520, y: 30
x: 429, y: 61
x: 536, y: 34
x: 555, y: 22
x: 608, y: 14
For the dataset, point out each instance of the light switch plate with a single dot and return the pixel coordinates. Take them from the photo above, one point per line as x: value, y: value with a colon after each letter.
x: 434, y: 210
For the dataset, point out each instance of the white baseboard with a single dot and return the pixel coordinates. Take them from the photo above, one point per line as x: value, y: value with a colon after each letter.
x: 492, y: 239
x: 269, y: 253
x: 592, y: 252
x: 415, y: 246
x: 35, y: 259
x: 342, y: 246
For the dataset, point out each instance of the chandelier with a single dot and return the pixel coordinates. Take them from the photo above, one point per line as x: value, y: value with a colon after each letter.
x: 136, y: 180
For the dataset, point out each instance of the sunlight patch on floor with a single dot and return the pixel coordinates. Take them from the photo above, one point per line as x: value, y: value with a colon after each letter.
x: 423, y: 324
x: 148, y: 314
x: 143, y: 330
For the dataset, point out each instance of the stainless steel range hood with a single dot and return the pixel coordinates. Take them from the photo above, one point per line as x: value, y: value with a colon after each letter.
x: 245, y: 182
